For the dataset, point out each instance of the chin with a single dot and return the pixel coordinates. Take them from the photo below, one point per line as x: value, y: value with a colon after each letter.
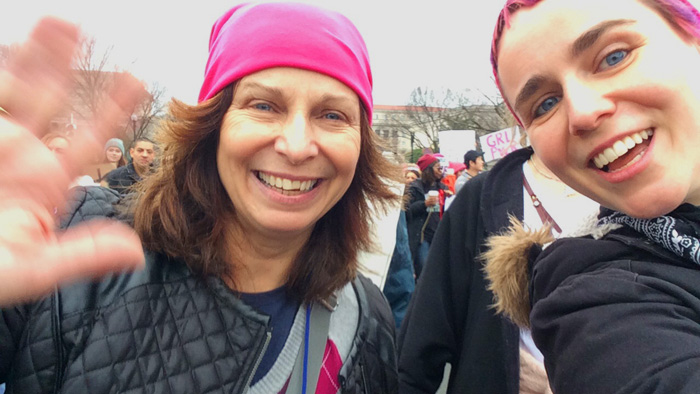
x: 649, y: 208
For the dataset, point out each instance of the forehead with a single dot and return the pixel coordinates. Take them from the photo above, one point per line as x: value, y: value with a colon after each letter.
x: 541, y: 35
x: 290, y: 78
x: 144, y: 145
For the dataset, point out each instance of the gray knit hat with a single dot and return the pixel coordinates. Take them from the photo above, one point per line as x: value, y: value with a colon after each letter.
x: 115, y: 142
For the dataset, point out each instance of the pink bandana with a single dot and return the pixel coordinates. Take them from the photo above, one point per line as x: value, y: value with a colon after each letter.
x: 254, y: 37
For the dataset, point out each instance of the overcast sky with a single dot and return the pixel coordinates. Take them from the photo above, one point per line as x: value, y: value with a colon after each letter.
x: 436, y: 44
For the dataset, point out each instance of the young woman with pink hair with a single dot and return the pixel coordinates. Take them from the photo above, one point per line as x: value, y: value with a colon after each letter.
x: 609, y: 94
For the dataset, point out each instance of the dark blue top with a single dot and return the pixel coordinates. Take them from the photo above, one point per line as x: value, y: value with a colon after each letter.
x: 281, y: 308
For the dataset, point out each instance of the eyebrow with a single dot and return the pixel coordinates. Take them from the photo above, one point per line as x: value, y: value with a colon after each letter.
x: 258, y: 86
x: 580, y: 45
x: 587, y: 39
x: 531, y: 87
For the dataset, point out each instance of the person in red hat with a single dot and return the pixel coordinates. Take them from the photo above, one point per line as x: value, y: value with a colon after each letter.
x: 425, y: 207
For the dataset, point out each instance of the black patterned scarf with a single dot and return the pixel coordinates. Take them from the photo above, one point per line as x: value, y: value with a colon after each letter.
x: 678, y: 231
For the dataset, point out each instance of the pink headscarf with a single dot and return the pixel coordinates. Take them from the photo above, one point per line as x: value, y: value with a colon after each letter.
x: 254, y: 37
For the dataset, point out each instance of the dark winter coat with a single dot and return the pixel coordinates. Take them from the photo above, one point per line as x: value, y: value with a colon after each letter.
x: 417, y: 215
x: 122, y: 178
x: 163, y: 330
x: 449, y: 318
x: 618, y: 314
x: 400, y: 281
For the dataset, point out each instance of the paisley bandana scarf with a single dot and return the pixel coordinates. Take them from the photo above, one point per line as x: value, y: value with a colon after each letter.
x: 678, y: 231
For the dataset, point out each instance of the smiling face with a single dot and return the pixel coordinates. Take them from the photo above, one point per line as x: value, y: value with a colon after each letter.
x: 288, y: 149
x: 113, y: 154
x: 609, y: 94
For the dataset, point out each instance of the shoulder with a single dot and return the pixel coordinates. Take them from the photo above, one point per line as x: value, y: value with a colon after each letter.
x: 88, y: 202
x: 117, y: 172
x: 373, y: 303
x: 135, y: 286
x: 416, y: 186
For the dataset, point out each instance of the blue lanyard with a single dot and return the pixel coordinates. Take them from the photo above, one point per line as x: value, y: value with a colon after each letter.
x: 306, y: 348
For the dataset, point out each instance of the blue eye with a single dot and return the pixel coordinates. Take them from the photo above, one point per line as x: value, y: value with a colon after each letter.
x: 546, y: 105
x: 614, y: 58
x: 263, y: 107
x: 332, y: 116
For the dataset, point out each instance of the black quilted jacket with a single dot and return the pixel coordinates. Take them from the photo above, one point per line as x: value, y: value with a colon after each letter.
x: 162, y: 330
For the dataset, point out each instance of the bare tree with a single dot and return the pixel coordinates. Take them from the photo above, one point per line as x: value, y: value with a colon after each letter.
x: 430, y: 112
x: 91, y: 79
x: 148, y: 113
x: 92, y: 82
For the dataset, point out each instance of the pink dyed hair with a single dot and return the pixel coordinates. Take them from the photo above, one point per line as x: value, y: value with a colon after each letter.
x: 678, y: 12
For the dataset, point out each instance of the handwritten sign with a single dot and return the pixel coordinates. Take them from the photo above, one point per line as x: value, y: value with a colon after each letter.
x: 499, y: 143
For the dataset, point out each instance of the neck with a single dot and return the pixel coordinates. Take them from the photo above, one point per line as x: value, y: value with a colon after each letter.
x: 141, y: 171
x: 540, y: 170
x: 262, y: 262
x: 472, y: 172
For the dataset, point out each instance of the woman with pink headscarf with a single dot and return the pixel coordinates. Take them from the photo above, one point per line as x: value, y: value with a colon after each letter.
x: 251, y: 227
x: 609, y: 95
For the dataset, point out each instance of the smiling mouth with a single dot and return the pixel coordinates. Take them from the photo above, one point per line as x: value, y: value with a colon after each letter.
x: 285, y: 186
x: 624, y: 152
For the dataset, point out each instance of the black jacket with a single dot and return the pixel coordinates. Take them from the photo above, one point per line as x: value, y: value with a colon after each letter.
x: 449, y: 318
x: 417, y: 214
x: 617, y: 315
x: 122, y: 178
x: 163, y: 330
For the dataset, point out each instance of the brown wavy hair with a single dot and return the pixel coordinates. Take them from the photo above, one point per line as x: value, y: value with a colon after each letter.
x: 183, y: 209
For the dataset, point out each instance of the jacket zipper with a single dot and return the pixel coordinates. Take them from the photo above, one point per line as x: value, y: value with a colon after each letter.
x: 258, y: 360
x: 364, y: 378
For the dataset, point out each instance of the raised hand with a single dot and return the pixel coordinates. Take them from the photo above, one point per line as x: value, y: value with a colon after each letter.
x: 34, y: 256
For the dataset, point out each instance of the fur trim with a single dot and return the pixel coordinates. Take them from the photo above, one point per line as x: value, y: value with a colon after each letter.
x: 590, y: 226
x: 506, y: 269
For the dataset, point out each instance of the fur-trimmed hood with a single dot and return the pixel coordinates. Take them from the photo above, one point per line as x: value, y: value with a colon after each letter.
x: 507, y: 264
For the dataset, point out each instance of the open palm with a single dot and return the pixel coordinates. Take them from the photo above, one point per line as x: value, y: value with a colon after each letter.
x: 34, y: 255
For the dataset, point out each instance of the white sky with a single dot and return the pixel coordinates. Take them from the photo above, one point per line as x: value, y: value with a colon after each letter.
x: 435, y: 43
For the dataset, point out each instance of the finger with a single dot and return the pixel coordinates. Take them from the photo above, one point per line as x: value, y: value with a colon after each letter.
x: 86, y: 251
x: 30, y: 172
x: 34, y: 85
x: 113, y: 113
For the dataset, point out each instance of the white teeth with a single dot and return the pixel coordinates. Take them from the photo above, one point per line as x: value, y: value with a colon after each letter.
x: 609, y: 155
x: 286, y: 184
x: 621, y: 147
x: 597, y: 162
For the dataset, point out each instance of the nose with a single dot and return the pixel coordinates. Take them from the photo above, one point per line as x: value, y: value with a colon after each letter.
x: 588, y: 106
x: 297, y: 141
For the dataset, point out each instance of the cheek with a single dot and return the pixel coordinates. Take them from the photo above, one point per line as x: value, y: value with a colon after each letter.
x: 343, y: 150
x: 552, y: 147
x: 239, y: 140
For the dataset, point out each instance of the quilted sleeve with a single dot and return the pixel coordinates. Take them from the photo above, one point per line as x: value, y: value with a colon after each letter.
x: 12, y: 321
x: 86, y: 203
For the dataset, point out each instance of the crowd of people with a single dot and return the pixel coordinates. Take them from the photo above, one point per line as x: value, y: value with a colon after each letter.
x: 232, y: 261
